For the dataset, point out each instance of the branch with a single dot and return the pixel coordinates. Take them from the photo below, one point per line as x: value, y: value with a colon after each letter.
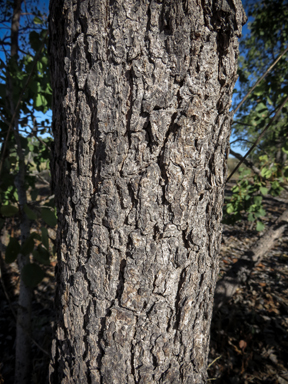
x: 241, y: 270
x: 259, y: 137
x: 259, y: 80
x: 246, y: 125
x: 249, y: 163
x: 240, y: 139
x: 4, y: 119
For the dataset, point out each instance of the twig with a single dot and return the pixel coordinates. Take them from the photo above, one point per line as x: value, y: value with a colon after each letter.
x: 217, y: 358
x: 247, y: 162
x: 42, y: 179
x: 41, y: 141
x: 259, y: 80
x: 3, y: 119
x: 259, y: 138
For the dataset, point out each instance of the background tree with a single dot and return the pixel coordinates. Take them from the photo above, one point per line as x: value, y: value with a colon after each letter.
x: 265, y: 107
x: 267, y: 38
x: 24, y: 91
x: 261, y: 127
x: 141, y: 125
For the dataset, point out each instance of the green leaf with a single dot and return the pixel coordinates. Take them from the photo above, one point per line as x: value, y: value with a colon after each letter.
x: 44, y: 60
x: 263, y: 172
x: 34, y: 193
x: 30, y: 214
x: 35, y: 41
x: 8, y: 210
x: 32, y: 274
x: 39, y: 101
x: 230, y: 208
x: 42, y: 255
x: 262, y: 212
x: 49, y: 217
x: 260, y: 226
x: 235, y: 189
x: 12, y: 250
x: 37, y: 20
x: 36, y: 236
x: 264, y: 190
x: 28, y: 245
x: 45, y: 238
x: 2, y: 223
x: 263, y: 158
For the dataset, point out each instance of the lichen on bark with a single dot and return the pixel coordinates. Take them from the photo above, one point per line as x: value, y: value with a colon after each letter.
x: 142, y: 92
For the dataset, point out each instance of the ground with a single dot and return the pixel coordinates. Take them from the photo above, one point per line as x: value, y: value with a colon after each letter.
x: 249, y: 334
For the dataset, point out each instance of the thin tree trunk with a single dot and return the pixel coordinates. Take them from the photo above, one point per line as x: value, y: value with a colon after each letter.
x: 142, y: 91
x: 23, y: 327
x: 23, y: 337
x: 241, y: 270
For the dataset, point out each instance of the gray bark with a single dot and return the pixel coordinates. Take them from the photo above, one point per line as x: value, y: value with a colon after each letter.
x: 141, y: 122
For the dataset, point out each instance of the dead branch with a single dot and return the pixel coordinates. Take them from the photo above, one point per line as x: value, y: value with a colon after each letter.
x: 241, y: 270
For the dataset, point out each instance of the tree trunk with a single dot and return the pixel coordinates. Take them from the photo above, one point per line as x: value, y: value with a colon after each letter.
x: 142, y: 91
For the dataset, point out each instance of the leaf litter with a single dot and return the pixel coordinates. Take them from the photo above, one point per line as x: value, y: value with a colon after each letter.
x: 250, y: 331
x: 249, y: 334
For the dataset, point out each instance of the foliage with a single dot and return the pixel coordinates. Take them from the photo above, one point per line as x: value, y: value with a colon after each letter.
x: 247, y: 194
x: 259, y: 49
x: 30, y: 126
x: 265, y: 41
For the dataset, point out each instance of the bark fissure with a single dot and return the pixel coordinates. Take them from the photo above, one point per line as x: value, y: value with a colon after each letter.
x: 144, y: 155
x: 178, y: 300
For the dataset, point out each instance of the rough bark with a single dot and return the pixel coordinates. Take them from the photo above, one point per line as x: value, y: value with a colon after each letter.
x: 141, y: 122
x: 241, y: 270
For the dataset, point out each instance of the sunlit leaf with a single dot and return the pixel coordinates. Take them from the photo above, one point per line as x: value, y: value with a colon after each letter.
x: 37, y: 20
x: 264, y: 190
x: 260, y: 226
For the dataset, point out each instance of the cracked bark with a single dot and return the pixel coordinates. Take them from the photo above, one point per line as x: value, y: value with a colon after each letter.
x: 142, y: 92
